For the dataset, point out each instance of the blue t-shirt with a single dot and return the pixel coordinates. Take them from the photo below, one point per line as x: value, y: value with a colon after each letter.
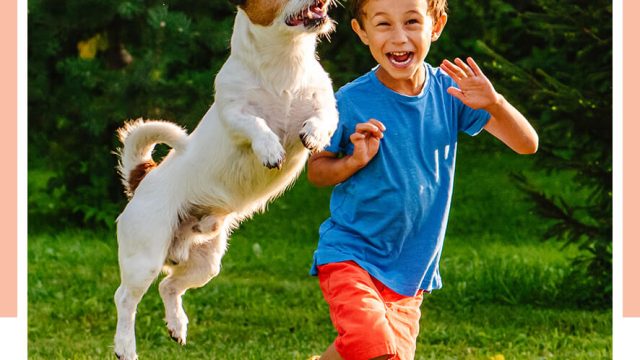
x: 390, y: 217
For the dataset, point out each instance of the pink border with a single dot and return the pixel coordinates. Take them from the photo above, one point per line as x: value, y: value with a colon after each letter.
x: 631, y: 170
x: 9, y: 158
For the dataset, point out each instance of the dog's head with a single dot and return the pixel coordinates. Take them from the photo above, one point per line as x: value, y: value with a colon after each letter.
x: 300, y: 15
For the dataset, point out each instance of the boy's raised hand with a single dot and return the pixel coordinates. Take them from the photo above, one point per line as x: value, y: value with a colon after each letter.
x: 366, y: 141
x: 475, y: 89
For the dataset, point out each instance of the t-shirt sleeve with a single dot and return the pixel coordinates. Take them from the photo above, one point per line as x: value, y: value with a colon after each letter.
x: 469, y: 120
x: 340, y: 138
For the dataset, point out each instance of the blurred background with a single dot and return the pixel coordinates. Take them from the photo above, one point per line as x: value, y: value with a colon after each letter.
x: 527, y: 261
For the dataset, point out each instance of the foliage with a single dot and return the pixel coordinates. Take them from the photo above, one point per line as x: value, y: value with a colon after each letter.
x: 562, y: 80
x: 95, y: 63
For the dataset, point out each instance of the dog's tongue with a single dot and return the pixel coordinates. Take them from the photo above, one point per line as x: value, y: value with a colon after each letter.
x: 315, y: 12
x: 313, y: 15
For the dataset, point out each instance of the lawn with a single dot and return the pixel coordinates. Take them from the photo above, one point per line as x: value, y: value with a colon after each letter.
x: 499, y: 299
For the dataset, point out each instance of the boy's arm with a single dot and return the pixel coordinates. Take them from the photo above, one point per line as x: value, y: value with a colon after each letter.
x: 506, y: 122
x: 325, y: 168
x: 511, y: 127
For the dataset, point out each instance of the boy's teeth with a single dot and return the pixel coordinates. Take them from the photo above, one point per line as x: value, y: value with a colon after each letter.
x: 400, y: 57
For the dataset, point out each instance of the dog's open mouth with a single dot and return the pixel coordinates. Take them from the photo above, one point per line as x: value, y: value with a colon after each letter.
x: 311, y: 17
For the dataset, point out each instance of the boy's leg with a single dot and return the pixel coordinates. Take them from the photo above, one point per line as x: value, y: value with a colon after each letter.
x: 332, y: 354
x: 357, y: 312
x: 369, y: 326
x: 403, y: 314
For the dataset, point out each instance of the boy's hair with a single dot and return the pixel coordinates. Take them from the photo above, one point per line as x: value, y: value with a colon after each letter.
x: 436, y: 9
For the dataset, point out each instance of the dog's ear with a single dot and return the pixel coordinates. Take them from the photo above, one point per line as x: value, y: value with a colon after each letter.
x: 238, y: 2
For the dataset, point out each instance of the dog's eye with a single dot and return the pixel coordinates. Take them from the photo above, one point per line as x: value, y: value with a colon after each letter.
x: 238, y: 2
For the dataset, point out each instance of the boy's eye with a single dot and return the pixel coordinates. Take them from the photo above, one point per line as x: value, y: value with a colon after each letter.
x: 413, y: 21
x: 384, y: 23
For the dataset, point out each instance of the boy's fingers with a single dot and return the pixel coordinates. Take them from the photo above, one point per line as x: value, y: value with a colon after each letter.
x: 474, y: 66
x: 363, y: 127
x: 455, y: 92
x: 369, y: 128
x: 378, y: 123
x: 467, y: 71
x: 455, y: 68
x: 356, y: 138
x: 451, y: 70
x: 447, y: 65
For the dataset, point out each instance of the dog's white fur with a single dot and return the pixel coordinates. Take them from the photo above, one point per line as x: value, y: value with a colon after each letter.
x: 271, y: 93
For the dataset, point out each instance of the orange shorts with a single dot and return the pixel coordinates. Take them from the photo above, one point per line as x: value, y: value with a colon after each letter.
x: 371, y: 319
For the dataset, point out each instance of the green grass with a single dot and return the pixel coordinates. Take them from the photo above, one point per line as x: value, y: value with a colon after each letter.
x: 502, y: 295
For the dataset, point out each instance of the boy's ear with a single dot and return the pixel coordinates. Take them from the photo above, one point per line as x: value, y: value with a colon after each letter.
x: 438, y: 27
x: 355, y: 25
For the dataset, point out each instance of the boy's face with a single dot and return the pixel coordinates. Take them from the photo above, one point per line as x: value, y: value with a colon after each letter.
x: 399, y: 34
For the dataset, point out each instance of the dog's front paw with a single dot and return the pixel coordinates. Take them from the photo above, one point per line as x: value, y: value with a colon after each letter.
x: 269, y: 151
x: 314, y: 136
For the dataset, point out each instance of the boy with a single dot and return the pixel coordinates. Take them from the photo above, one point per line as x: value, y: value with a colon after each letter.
x: 392, y: 161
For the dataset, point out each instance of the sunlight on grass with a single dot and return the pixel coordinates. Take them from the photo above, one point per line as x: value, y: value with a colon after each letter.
x: 504, y: 292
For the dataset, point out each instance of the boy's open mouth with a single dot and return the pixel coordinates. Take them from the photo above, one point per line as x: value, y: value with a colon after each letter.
x: 400, y: 58
x: 312, y: 16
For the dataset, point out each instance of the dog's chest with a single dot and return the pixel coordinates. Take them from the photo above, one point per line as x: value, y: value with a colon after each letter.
x: 284, y: 112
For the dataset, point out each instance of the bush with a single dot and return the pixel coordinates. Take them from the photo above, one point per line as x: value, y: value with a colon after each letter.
x: 95, y: 63
x: 553, y: 60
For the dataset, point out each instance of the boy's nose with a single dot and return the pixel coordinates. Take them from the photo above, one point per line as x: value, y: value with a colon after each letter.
x: 399, y: 36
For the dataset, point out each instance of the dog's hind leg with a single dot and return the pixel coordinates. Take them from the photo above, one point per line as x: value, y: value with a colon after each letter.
x: 192, y: 231
x: 202, y: 265
x: 133, y: 286
x: 141, y: 260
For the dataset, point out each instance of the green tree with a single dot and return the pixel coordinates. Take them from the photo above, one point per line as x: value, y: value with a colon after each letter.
x: 96, y: 63
x: 554, y: 59
x: 576, y: 117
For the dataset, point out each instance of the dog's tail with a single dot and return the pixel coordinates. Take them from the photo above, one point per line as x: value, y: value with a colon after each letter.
x: 138, y: 139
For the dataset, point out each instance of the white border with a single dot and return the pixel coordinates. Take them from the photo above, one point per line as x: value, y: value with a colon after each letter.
x: 617, y: 169
x: 21, y: 342
x: 625, y: 330
x: 13, y: 331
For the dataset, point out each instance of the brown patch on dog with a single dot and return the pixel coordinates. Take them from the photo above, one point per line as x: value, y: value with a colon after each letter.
x: 137, y: 174
x: 263, y: 12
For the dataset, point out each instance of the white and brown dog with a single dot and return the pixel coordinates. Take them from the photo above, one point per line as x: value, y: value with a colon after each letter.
x: 273, y: 103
